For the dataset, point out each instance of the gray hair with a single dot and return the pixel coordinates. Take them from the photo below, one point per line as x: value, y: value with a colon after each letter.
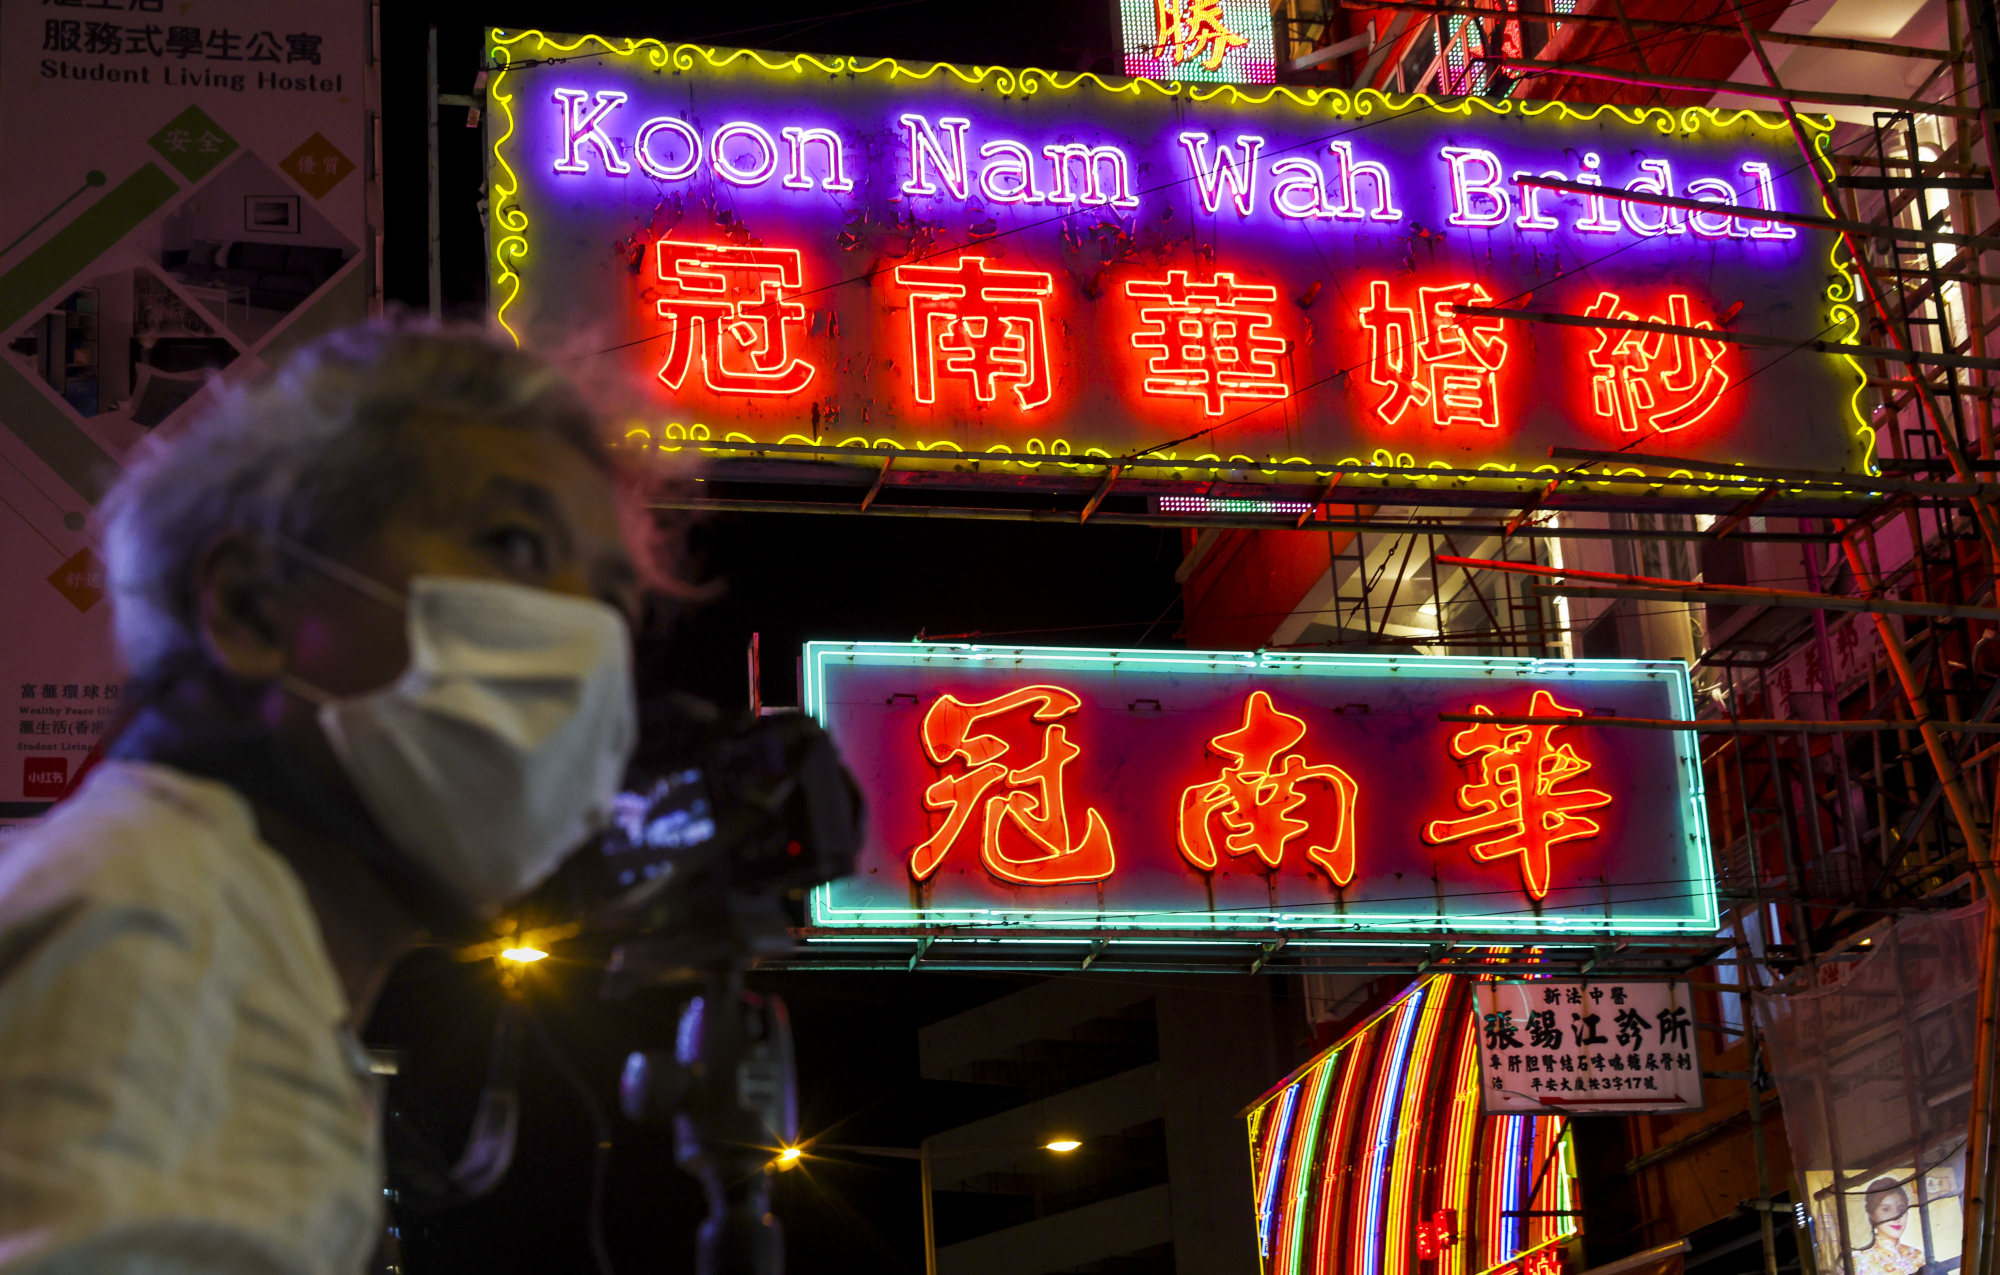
x: 319, y: 452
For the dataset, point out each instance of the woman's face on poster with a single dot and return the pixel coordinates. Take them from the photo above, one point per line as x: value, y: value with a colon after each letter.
x: 1888, y: 1214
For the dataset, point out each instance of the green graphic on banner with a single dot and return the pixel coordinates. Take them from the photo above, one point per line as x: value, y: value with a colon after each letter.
x: 193, y: 143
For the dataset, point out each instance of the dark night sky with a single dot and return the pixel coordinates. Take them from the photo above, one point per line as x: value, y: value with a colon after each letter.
x: 790, y: 578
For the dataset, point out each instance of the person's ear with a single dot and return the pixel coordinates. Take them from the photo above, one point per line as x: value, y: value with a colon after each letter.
x: 237, y: 587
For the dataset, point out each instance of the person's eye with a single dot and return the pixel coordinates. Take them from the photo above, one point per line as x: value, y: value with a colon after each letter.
x: 520, y: 550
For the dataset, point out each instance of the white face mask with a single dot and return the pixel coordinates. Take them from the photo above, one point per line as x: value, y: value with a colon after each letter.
x: 499, y: 750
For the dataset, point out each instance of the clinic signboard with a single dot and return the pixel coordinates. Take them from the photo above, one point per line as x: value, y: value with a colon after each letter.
x: 802, y: 257
x: 1611, y: 1046
x: 1020, y: 790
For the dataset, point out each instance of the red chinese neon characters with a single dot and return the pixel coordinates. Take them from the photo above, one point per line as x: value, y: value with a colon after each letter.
x: 1519, y: 795
x: 1434, y: 359
x: 1186, y: 30
x: 1028, y: 799
x: 1437, y: 1235
x: 1212, y: 341
x: 983, y: 325
x: 1258, y: 792
x: 725, y: 306
x: 1651, y: 380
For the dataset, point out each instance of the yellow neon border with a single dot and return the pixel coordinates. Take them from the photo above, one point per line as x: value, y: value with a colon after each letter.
x: 511, y: 220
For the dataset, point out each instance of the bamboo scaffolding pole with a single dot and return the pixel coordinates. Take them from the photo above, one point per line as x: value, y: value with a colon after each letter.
x: 1886, y: 353
x: 1883, y: 47
x: 1723, y: 725
x: 1612, y: 584
x: 1750, y: 212
x: 1697, y: 84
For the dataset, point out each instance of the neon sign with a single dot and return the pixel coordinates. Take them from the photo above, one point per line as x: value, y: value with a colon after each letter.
x: 1001, y: 268
x: 1203, y: 40
x: 1375, y: 1159
x: 1048, y: 788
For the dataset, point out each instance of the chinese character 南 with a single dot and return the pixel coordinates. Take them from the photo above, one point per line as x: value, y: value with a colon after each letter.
x: 726, y: 307
x: 1434, y: 359
x: 1632, y: 1027
x: 1187, y: 30
x: 1212, y: 341
x: 1500, y: 1030
x: 1674, y: 1025
x: 1520, y: 805
x: 1258, y: 792
x: 1654, y: 380
x: 1542, y: 1030
x: 980, y: 325
x: 1003, y: 789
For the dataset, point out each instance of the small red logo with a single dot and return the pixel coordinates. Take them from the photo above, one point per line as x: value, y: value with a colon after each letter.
x: 44, y: 778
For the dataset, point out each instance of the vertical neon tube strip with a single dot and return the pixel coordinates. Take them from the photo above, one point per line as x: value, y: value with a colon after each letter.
x: 1519, y: 1128
x: 1544, y: 1230
x: 1327, y: 1222
x: 1384, y: 1103
x: 1457, y: 1189
x: 1274, y: 1156
x: 1410, y: 1140
x: 1494, y: 1175
x: 1298, y: 1176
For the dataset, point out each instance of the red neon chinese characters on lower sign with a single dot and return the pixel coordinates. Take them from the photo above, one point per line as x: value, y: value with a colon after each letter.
x: 1519, y: 804
x: 981, y: 325
x: 1258, y: 792
x: 1654, y: 380
x: 1024, y: 799
x: 725, y: 305
x: 1430, y: 357
x: 1212, y: 341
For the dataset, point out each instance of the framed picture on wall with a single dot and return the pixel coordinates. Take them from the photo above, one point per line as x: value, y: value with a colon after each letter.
x: 271, y: 214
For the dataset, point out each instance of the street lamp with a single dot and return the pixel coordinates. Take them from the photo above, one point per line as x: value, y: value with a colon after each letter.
x: 1061, y: 1144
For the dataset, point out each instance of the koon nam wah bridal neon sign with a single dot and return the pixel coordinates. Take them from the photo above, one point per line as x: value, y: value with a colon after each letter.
x: 1014, y: 264
x: 1212, y: 792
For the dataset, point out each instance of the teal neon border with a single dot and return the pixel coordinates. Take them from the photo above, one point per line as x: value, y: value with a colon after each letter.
x: 985, y: 925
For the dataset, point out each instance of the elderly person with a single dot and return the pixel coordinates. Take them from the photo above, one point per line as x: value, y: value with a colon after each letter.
x: 376, y: 612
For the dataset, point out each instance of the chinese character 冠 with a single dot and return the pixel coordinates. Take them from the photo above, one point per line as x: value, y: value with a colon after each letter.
x: 1519, y: 803
x: 983, y: 325
x: 1654, y: 380
x: 1212, y: 341
x: 1433, y: 358
x: 1028, y: 799
x: 1185, y: 30
x: 726, y: 306
x: 1257, y: 793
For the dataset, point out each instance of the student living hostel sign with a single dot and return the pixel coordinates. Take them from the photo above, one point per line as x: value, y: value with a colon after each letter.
x: 1001, y: 268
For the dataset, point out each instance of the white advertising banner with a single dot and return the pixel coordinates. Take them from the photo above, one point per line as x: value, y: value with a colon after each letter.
x: 187, y: 195
x: 1592, y: 1047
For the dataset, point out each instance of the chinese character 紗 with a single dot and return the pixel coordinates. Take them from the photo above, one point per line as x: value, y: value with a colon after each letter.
x: 1212, y: 341
x: 981, y: 325
x: 1434, y: 359
x: 1653, y: 380
x: 1257, y: 793
x: 1007, y: 789
x: 727, y: 306
x: 1520, y: 805
x: 1187, y: 30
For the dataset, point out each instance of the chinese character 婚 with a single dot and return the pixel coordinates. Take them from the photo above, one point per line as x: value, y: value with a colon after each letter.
x: 1256, y: 795
x: 1017, y: 800
x: 1432, y: 358
x: 1520, y: 803
x: 1212, y: 341
x: 726, y: 307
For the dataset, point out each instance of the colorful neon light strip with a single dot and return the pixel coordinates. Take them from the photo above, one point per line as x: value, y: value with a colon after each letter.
x: 511, y: 221
x: 1227, y: 505
x: 1407, y: 1096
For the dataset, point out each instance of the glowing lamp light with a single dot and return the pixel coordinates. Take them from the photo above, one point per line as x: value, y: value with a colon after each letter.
x: 523, y: 955
x: 1062, y: 1144
x: 789, y: 1157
